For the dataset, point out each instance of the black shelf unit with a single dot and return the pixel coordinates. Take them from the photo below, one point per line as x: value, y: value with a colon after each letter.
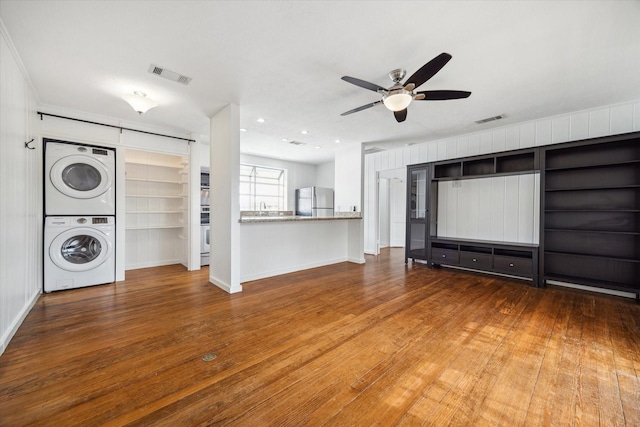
x: 506, y: 163
x: 513, y: 259
x: 422, y: 243
x: 590, y: 226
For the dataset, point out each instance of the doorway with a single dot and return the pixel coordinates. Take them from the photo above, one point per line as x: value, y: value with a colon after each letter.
x: 392, y: 196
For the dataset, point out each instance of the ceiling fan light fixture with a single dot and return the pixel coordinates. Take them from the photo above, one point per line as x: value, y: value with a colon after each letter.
x: 397, y: 100
x: 139, y: 102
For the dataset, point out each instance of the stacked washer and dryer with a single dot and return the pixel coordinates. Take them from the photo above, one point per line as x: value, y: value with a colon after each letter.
x: 79, y: 215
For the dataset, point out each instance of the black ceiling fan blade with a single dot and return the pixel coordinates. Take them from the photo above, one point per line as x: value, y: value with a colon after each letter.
x: 401, y: 115
x: 364, y: 107
x: 429, y: 69
x: 442, y: 95
x: 363, y: 84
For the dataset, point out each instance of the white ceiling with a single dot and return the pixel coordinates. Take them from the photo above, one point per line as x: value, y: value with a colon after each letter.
x: 282, y: 61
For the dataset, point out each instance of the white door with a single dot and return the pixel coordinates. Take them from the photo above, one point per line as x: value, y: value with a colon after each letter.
x: 397, y: 212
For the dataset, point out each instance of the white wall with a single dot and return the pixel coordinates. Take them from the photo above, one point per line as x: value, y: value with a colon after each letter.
x: 348, y: 173
x: 606, y: 120
x: 501, y: 208
x: 224, y: 176
x: 299, y: 175
x: 326, y: 175
x: 20, y: 194
x: 270, y: 249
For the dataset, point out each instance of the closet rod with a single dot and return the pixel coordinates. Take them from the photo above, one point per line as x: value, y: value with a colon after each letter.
x: 113, y: 126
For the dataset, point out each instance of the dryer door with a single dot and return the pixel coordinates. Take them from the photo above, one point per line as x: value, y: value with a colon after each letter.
x: 80, y: 249
x: 80, y: 177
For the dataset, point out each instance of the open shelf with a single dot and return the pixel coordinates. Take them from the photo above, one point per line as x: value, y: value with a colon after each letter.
x: 156, y: 207
x: 510, y: 163
x: 591, y: 223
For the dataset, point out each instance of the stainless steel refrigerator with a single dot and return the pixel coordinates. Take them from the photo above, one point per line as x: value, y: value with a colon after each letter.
x: 314, y: 202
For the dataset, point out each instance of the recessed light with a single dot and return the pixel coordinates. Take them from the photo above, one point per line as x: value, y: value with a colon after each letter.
x: 304, y: 132
x: 260, y: 120
x: 337, y: 141
x: 243, y: 130
x: 317, y: 146
x: 284, y: 139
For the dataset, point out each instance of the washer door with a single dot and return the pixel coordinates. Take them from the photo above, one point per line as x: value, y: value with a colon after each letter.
x: 80, y: 177
x: 80, y: 249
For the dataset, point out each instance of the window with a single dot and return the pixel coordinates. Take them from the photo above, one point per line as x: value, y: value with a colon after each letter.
x: 262, y: 188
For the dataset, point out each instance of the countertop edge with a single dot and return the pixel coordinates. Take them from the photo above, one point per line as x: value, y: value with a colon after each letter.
x: 267, y: 219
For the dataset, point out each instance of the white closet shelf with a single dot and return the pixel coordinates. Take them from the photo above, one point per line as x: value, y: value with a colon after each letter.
x: 154, y: 165
x: 164, y: 196
x: 155, y: 212
x: 161, y: 181
x: 153, y: 227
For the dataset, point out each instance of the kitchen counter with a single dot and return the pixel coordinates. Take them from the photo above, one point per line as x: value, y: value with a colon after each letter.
x: 273, y: 244
x: 248, y: 219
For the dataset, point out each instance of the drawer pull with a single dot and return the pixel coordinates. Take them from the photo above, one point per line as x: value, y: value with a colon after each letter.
x: 475, y: 260
x: 444, y: 256
x: 510, y: 264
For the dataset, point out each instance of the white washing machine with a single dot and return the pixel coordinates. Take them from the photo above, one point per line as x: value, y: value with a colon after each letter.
x: 79, y: 179
x: 78, y: 251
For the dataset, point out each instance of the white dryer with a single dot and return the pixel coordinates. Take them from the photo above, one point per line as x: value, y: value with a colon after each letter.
x: 78, y: 251
x: 79, y: 179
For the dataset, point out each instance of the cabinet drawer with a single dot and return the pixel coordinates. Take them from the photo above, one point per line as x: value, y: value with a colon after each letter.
x: 475, y: 260
x: 444, y: 256
x: 513, y: 265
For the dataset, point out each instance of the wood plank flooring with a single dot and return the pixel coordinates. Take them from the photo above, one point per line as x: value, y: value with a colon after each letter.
x: 343, y: 345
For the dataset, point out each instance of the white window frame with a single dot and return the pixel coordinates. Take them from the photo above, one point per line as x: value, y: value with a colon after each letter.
x: 258, y: 201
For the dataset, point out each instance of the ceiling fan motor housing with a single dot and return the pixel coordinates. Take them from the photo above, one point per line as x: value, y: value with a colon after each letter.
x: 397, y: 75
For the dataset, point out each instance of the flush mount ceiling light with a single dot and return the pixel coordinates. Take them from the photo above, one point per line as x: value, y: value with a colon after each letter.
x: 139, y: 102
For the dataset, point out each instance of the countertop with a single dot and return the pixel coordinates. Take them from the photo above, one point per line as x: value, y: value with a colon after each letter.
x: 248, y: 219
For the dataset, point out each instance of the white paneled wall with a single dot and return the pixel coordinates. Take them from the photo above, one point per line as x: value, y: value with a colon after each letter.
x: 20, y: 193
x: 501, y: 208
x: 607, y: 120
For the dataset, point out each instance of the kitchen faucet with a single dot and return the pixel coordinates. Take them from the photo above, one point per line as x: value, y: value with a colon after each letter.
x: 261, y: 206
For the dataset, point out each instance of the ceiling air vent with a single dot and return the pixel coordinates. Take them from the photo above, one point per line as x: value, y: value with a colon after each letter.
x: 169, y: 75
x: 296, y: 143
x: 491, y: 119
x: 372, y: 150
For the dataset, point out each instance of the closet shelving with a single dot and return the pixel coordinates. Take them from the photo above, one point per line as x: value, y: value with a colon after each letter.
x: 156, y: 190
x: 591, y: 218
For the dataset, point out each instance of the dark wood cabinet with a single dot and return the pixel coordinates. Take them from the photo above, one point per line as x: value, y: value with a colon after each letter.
x: 589, y: 219
x: 423, y: 242
x: 418, y: 214
x: 591, y: 212
x: 519, y: 260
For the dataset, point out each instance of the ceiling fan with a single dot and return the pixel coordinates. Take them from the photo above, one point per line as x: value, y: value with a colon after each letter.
x: 398, y: 97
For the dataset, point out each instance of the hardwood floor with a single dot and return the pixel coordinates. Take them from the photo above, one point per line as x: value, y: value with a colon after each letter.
x: 344, y: 345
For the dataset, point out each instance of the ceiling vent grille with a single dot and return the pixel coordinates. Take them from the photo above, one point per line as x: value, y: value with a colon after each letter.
x: 296, y: 143
x: 169, y: 75
x: 490, y: 119
x: 372, y: 150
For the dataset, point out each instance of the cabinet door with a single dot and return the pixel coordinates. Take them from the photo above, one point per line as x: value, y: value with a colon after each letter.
x: 417, y: 212
x: 418, y: 193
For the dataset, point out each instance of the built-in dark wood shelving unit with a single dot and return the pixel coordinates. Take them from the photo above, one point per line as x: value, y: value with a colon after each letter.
x: 590, y: 201
x: 515, y: 259
x: 589, y: 214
